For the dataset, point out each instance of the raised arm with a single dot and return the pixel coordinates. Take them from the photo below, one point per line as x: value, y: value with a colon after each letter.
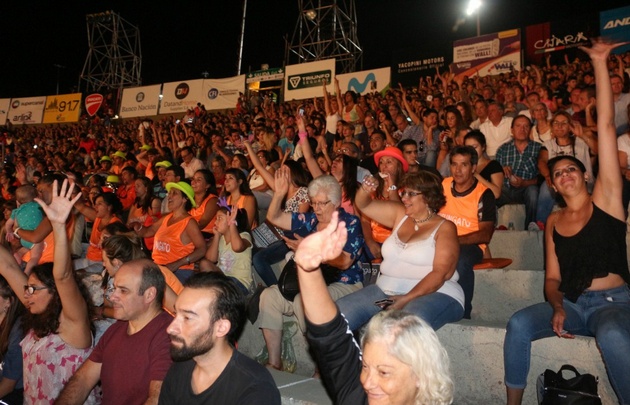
x: 311, y: 162
x: 324, y: 245
x: 262, y: 170
x: 275, y: 215
x: 607, y: 192
x: 412, y: 114
x: 74, y: 327
x: 386, y: 213
x: 10, y: 270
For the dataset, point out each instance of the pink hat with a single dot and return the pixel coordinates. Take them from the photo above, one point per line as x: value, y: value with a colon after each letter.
x: 394, y: 152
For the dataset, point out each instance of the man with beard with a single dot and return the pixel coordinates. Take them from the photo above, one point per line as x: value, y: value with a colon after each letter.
x: 131, y: 359
x: 207, y: 369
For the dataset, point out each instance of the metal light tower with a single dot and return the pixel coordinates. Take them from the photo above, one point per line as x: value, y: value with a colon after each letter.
x: 326, y: 29
x: 114, y: 58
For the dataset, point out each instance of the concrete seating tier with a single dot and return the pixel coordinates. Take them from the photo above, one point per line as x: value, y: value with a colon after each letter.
x: 475, y: 346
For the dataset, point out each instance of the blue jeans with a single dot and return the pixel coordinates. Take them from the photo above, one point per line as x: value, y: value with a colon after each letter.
x: 524, y: 195
x: 469, y: 255
x: 264, y: 258
x: 546, y: 201
x: 602, y: 314
x: 436, y: 309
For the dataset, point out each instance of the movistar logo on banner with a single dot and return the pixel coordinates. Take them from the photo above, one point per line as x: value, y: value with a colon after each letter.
x: 311, y: 79
x: 357, y: 86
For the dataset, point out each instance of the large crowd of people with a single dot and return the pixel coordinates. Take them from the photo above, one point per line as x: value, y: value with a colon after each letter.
x: 152, y: 227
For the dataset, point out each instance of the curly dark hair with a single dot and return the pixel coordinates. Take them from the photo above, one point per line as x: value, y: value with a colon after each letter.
x: 429, y: 185
x: 48, y: 321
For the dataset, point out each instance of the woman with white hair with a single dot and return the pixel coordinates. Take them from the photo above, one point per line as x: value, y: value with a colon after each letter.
x: 402, y: 361
x: 325, y: 196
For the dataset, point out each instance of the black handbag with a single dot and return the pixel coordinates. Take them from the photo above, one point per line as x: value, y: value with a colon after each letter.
x: 288, y: 280
x: 554, y: 389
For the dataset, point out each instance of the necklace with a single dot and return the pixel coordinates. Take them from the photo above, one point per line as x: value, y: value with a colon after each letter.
x: 421, y: 221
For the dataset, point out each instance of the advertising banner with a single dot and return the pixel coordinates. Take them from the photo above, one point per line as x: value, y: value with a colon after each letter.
x: 490, y: 54
x: 409, y: 65
x: 140, y: 101
x: 614, y: 25
x: 557, y: 39
x: 62, y: 108
x: 265, y: 75
x: 365, y: 81
x: 177, y: 97
x: 4, y: 110
x: 305, y: 79
x: 221, y: 94
x: 26, y: 110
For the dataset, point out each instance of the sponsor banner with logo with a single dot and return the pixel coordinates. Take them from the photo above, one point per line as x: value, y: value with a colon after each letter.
x: 4, y: 109
x: 62, y: 108
x: 555, y: 39
x: 93, y: 103
x: 219, y: 94
x: 490, y: 54
x: 26, y: 110
x: 265, y: 75
x: 366, y: 81
x: 614, y: 25
x: 305, y: 79
x: 140, y: 101
x: 180, y: 96
x: 409, y: 65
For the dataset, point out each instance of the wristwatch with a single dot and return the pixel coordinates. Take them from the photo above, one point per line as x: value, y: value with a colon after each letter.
x: 392, y: 188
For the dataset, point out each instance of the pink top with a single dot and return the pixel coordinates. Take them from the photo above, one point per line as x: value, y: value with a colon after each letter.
x: 49, y: 363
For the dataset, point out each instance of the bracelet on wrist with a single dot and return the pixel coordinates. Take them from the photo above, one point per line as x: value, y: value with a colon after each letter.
x: 15, y: 233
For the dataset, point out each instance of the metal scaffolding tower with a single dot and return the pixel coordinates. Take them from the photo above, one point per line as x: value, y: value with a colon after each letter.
x: 114, y: 58
x: 326, y: 29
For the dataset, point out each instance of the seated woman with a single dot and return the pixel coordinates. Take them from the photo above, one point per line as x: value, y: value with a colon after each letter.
x: 586, y: 280
x: 237, y: 192
x: 325, y: 196
x: 204, y: 186
x: 178, y: 242
x: 11, y: 309
x: 104, y: 212
x: 402, y: 361
x: 419, y: 258
x: 489, y: 172
x: 392, y: 166
x: 58, y: 330
x: 231, y: 248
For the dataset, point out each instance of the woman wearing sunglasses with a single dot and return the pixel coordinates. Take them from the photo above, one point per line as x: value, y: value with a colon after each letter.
x: 419, y: 257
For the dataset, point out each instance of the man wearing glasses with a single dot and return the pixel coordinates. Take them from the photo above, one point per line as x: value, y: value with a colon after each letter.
x: 190, y: 163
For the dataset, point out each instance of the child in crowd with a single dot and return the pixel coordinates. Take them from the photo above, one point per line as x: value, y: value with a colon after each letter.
x: 27, y: 216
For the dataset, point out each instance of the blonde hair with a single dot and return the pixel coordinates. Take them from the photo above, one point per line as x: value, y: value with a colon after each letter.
x: 412, y: 341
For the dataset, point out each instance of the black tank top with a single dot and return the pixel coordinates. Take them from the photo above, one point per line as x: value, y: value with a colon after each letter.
x: 595, y: 251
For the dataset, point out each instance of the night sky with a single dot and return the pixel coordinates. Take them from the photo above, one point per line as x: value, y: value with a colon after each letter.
x: 181, y: 40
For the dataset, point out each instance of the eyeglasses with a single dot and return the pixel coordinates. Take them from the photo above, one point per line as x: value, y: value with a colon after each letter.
x: 560, y: 123
x: 30, y: 289
x: 320, y: 204
x: 343, y: 151
x: 407, y: 193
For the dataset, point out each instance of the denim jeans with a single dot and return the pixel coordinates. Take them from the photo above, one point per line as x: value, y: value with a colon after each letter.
x: 602, y: 314
x: 546, y: 201
x: 469, y: 255
x: 436, y: 309
x: 524, y: 195
x: 264, y: 258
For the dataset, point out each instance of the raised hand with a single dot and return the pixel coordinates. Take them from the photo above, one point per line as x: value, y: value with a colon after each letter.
x: 321, y: 246
x: 600, y: 50
x: 282, y: 180
x: 232, y: 217
x: 61, y: 204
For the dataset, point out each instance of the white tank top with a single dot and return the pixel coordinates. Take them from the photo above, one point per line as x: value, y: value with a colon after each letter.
x: 406, y: 264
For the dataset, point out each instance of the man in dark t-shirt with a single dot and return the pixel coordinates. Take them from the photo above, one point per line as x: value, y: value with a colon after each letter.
x: 207, y: 369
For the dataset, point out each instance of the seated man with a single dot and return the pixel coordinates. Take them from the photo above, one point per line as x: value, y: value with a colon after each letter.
x: 519, y: 158
x: 132, y: 358
x: 471, y: 206
x: 208, y: 370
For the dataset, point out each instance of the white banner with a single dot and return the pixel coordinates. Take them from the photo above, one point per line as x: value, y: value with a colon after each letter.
x: 27, y: 110
x: 179, y: 96
x: 220, y: 94
x: 140, y: 101
x: 4, y: 110
x: 365, y: 81
x: 305, y: 80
